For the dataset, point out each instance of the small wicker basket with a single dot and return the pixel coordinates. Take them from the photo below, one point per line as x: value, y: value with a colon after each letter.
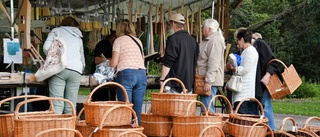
x: 6, y: 120
x: 94, y: 111
x: 315, y: 129
x: 291, y: 79
x: 128, y: 133
x: 104, y: 130
x: 295, y: 132
x: 168, y: 104
x: 59, y: 132
x: 82, y: 126
x: 156, y: 125
x: 184, y: 126
x: 30, y: 125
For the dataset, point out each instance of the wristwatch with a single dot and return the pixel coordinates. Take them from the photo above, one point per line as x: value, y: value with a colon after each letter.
x: 161, y: 80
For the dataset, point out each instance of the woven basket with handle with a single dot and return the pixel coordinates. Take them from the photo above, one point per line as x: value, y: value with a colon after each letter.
x: 94, y: 111
x: 59, y: 132
x: 211, y: 131
x: 156, y: 125
x: 295, y: 132
x: 104, y: 130
x: 187, y: 125
x: 168, y: 104
x: 312, y: 128
x: 6, y: 120
x: 291, y: 81
x: 30, y: 125
x: 82, y: 126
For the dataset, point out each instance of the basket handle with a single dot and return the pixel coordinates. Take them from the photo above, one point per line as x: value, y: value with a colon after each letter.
x: 211, y: 126
x: 184, y: 90
x: 134, y: 132
x: 225, y: 99
x: 105, y: 84
x: 196, y: 101
x: 18, y: 97
x: 248, y: 99
x: 308, y: 120
x: 16, y: 112
x: 278, y: 60
x: 117, y: 107
x: 79, y: 114
x: 294, y: 127
x: 58, y: 129
x: 256, y: 124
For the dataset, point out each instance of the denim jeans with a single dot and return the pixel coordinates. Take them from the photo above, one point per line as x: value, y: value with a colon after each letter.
x: 206, y: 99
x: 268, y: 111
x: 135, y: 83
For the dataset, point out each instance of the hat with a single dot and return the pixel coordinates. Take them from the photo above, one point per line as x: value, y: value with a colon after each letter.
x: 178, y: 18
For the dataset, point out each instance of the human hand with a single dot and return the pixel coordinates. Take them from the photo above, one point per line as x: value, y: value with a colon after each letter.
x: 265, y: 79
x: 207, y: 87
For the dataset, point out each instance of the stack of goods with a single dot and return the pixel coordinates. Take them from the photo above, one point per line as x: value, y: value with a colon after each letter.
x: 110, y: 118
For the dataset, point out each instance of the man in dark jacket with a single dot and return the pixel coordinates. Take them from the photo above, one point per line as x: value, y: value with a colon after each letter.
x: 181, y: 54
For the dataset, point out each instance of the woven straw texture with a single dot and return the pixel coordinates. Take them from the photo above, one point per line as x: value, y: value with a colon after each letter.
x: 291, y: 79
x: 295, y: 133
x: 168, y: 104
x: 156, y: 125
x: 59, y: 132
x: 184, y: 126
x: 30, y: 125
x: 315, y: 129
x: 6, y: 120
x: 82, y: 126
x: 94, y: 111
x: 115, y: 131
x: 211, y: 131
x: 256, y: 130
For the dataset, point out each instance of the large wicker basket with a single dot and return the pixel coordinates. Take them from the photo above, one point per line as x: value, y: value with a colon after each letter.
x: 293, y: 133
x: 312, y: 128
x: 211, y: 133
x: 130, y: 133
x: 30, y: 125
x: 103, y: 130
x: 291, y: 79
x: 191, y: 126
x: 236, y: 130
x: 6, y: 120
x: 94, y: 111
x: 156, y: 125
x: 59, y: 132
x: 168, y: 104
x: 82, y: 126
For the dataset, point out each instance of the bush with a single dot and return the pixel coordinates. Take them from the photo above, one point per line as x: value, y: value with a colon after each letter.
x: 307, y: 89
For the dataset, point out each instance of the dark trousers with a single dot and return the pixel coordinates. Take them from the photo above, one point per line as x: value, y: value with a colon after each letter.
x: 247, y: 107
x: 105, y: 94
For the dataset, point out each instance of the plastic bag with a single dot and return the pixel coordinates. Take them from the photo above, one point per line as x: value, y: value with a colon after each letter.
x: 104, y: 72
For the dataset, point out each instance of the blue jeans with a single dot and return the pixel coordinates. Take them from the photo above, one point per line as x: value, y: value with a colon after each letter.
x: 206, y: 99
x: 268, y: 111
x: 135, y: 83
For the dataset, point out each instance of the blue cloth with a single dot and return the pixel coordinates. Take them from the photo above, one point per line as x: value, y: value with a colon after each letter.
x: 135, y: 83
x: 206, y: 99
x: 238, y: 59
x: 268, y: 111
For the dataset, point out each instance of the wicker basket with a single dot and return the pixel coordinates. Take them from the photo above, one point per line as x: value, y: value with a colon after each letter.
x: 225, y: 117
x: 184, y: 126
x: 291, y: 79
x: 113, y: 131
x: 211, y: 133
x: 156, y: 125
x: 94, y: 111
x: 168, y: 104
x: 30, y: 125
x: 6, y: 120
x: 315, y: 129
x: 294, y: 133
x: 82, y: 126
x: 248, y: 119
x: 237, y: 130
x: 59, y: 132
x: 129, y: 133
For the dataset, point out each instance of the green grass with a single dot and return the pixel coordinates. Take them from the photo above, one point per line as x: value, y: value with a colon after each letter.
x: 304, y: 107
x: 84, y: 91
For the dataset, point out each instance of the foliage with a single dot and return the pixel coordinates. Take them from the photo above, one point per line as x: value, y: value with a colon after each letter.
x: 308, y: 89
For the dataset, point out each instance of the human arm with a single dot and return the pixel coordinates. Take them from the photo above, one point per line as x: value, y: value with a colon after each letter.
x: 82, y: 56
x: 49, y: 40
x: 249, y: 58
x: 115, y: 59
x: 164, y: 72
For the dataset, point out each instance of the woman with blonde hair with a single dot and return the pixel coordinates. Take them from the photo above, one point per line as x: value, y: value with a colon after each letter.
x: 128, y: 59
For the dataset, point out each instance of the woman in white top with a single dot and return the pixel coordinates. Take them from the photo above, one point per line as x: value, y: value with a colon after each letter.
x: 247, y: 69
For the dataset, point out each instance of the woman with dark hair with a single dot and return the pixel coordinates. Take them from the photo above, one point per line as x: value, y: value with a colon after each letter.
x: 66, y: 83
x: 128, y: 58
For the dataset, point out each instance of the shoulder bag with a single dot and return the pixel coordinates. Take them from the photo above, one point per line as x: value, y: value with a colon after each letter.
x: 56, y: 60
x: 235, y: 83
x: 199, y: 82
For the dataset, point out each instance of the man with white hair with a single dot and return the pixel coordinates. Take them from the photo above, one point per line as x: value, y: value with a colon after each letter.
x: 211, y: 59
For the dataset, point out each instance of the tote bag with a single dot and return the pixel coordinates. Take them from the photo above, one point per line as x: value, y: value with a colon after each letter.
x: 235, y: 83
x: 56, y: 60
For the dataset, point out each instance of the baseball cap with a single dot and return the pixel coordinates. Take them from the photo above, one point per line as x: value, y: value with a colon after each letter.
x: 178, y: 18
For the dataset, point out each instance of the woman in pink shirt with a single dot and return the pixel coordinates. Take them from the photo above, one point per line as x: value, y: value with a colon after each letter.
x: 128, y: 59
